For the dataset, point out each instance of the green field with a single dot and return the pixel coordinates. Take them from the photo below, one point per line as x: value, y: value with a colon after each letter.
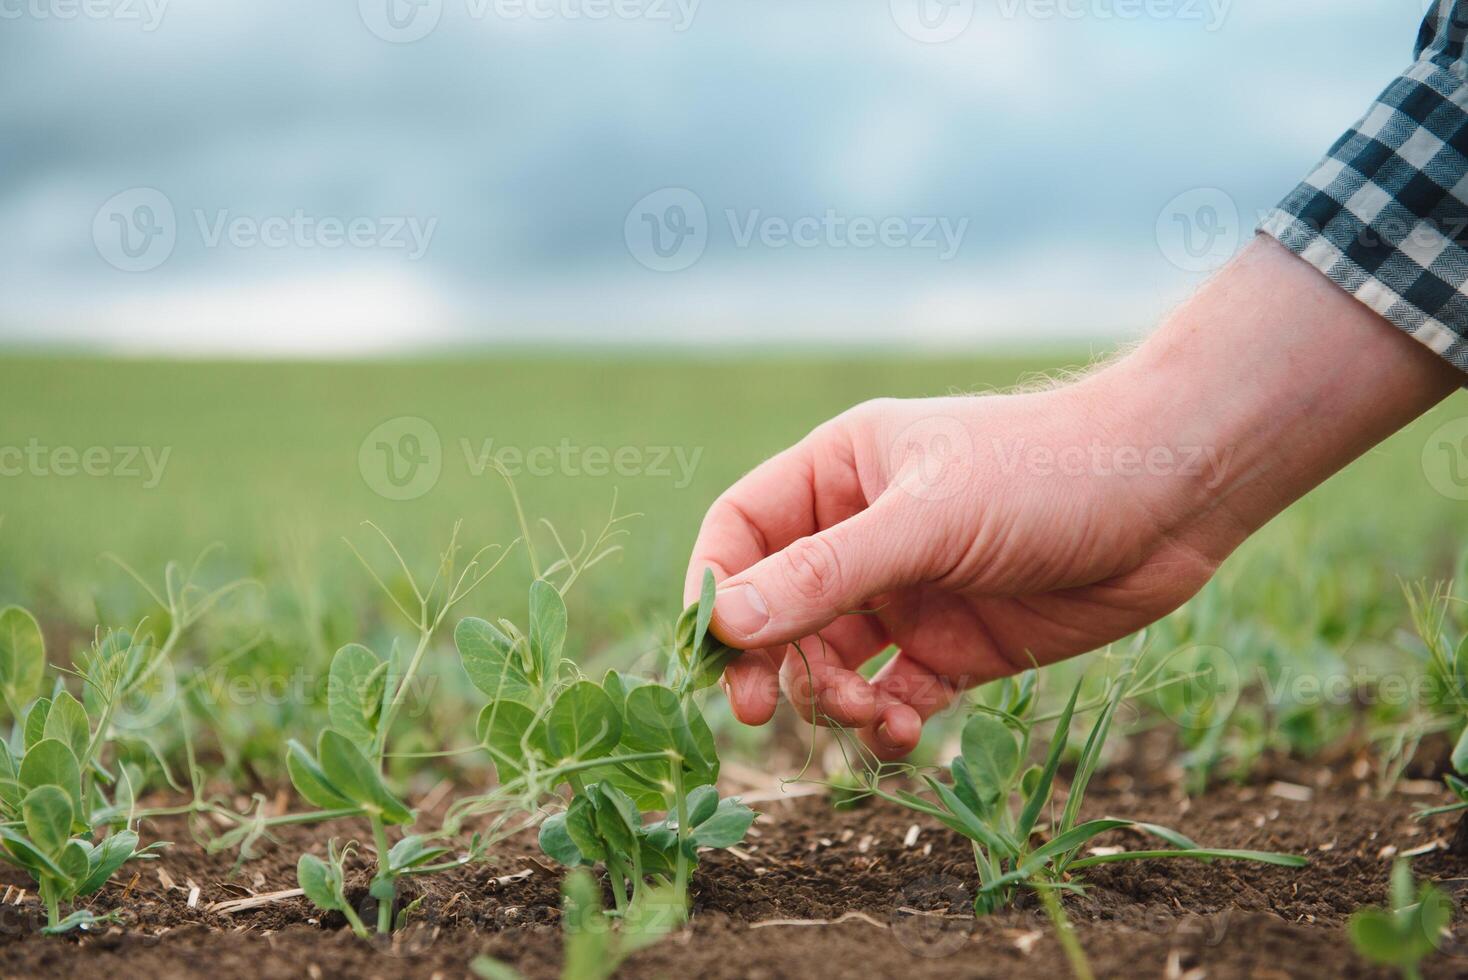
x: 263, y: 459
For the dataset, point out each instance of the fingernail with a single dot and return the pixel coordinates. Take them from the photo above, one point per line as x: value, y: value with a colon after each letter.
x: 884, y: 735
x: 742, y: 609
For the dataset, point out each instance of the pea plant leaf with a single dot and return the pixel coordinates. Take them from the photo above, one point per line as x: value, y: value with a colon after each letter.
x: 656, y: 721
x: 48, y: 817
x: 555, y: 841
x: 991, y: 757
x: 29, y: 856
x: 321, y: 882
x: 22, y: 656
x: 582, y: 830
x: 67, y: 723
x: 702, y: 802
x: 547, y: 628
x: 106, y: 858
x: 583, y: 723
x: 10, y: 791
x: 701, y: 654
x: 705, y: 609
x: 509, y: 729
x: 616, y: 818
x: 1460, y: 752
x: 35, y: 722
x: 50, y: 762
x: 309, y: 779
x: 725, y: 827
x: 354, y: 692
x: 348, y: 770
x: 413, y: 851
x: 489, y: 659
x: 1406, y: 932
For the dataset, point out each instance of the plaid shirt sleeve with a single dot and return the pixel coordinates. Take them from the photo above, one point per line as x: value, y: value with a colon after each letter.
x: 1385, y: 215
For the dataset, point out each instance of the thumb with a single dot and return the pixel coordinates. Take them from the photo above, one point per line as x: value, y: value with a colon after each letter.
x: 800, y: 590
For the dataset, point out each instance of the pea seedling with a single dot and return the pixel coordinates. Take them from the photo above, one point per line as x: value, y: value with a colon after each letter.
x: 343, y: 776
x: 593, y: 949
x: 997, y: 805
x: 622, y: 746
x: 1403, y: 935
x: 48, y: 791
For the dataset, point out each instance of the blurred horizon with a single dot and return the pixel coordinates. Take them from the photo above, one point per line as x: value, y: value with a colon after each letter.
x: 190, y: 179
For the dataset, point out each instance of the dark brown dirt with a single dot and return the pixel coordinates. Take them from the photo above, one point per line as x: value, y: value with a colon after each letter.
x: 770, y: 910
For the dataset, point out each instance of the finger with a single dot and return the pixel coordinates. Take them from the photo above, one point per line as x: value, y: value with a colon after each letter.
x: 907, y: 694
x: 812, y: 485
x: 752, y: 684
x: 803, y: 588
x: 820, y: 686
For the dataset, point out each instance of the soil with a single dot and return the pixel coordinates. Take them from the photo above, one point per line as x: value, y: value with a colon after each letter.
x: 816, y: 892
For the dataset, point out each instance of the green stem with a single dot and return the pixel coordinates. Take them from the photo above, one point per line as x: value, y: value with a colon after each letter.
x: 680, y: 881
x: 1079, y: 965
x: 425, y: 633
x: 354, y: 920
x: 53, y: 904
x: 384, y: 901
x: 618, y: 874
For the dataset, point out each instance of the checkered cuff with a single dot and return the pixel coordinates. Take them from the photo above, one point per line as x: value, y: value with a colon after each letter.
x: 1385, y: 216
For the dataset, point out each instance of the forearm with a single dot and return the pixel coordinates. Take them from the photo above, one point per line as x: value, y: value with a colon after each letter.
x: 1279, y: 374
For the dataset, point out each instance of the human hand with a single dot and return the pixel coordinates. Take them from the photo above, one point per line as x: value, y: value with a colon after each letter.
x: 982, y: 535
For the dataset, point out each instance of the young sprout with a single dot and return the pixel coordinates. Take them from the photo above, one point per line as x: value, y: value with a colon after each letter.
x: 1406, y: 933
x: 594, y: 950
x: 622, y: 746
x: 48, y: 800
x: 997, y: 803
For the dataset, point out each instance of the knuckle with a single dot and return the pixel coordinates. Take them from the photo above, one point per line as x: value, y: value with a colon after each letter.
x: 811, y: 568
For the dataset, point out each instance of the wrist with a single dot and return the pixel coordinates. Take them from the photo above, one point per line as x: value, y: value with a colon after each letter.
x: 1270, y: 379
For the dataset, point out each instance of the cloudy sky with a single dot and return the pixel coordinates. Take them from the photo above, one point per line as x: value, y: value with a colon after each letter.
x: 357, y: 176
